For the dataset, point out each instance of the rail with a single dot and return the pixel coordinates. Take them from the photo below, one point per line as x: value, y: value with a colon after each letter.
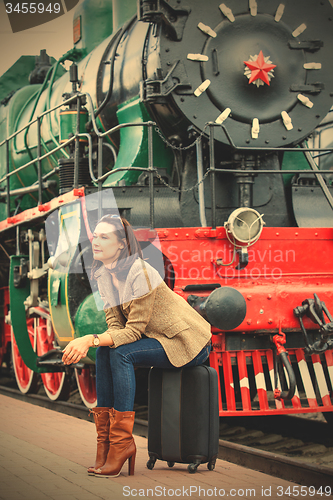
x: 212, y: 171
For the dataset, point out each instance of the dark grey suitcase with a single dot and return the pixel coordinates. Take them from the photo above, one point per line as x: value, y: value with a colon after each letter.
x: 183, y: 416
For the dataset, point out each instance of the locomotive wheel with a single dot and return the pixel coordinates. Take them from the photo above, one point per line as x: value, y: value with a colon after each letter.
x: 87, y: 386
x: 26, y: 379
x: 56, y: 384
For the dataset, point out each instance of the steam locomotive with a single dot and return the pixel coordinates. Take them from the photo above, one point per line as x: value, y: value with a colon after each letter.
x: 207, y: 125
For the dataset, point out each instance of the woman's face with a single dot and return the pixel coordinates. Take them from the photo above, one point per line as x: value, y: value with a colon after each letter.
x: 105, y: 245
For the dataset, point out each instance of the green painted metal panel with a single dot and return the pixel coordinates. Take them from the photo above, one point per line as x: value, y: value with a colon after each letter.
x: 18, y: 319
x: 8, y: 115
x: 68, y: 124
x: 58, y: 302
x: 96, y: 23
x: 17, y: 76
x: 69, y: 234
x: 19, y: 155
x: 90, y: 318
x: 55, y: 298
x: 293, y: 161
x: 133, y: 150
x: 16, y: 113
x: 122, y: 12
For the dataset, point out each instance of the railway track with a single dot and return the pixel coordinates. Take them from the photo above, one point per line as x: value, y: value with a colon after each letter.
x: 293, y: 448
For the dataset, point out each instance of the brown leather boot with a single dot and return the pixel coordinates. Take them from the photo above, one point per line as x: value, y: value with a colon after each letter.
x: 122, y: 445
x: 102, y: 417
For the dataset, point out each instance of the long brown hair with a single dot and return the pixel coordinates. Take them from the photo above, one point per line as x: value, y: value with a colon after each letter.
x: 123, y: 231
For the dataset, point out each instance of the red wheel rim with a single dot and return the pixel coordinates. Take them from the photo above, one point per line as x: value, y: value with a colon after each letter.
x: 87, y: 386
x: 26, y: 379
x: 54, y: 383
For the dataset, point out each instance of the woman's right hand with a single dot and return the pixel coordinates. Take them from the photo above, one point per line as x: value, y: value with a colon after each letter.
x: 77, y: 349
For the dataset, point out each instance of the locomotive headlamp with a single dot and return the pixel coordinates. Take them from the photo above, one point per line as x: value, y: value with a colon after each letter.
x: 245, y: 225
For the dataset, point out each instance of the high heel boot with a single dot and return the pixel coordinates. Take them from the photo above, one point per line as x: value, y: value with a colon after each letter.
x: 102, y: 422
x: 122, y: 445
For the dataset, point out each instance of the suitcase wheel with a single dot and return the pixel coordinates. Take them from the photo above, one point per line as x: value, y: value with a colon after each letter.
x: 211, y: 465
x: 151, y: 462
x: 171, y: 464
x: 192, y: 468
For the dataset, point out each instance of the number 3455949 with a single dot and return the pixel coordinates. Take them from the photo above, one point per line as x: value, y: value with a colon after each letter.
x: 32, y: 8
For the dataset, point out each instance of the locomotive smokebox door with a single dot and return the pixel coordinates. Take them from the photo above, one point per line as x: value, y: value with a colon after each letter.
x: 263, y: 72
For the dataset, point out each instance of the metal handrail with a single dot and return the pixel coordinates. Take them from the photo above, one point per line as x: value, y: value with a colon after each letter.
x: 68, y: 101
x: 101, y: 177
x: 39, y: 157
x: 31, y: 162
x: 212, y: 171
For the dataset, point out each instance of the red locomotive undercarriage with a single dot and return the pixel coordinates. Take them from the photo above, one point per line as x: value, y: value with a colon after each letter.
x: 279, y: 359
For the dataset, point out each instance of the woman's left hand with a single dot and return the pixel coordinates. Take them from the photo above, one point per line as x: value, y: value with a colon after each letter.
x: 76, y: 349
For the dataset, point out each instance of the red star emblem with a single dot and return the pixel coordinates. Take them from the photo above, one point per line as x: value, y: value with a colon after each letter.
x: 259, y: 69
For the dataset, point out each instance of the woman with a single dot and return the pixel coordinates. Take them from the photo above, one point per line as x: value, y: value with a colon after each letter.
x: 148, y: 325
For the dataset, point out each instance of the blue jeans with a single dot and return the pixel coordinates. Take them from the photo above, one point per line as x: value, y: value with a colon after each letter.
x: 115, y: 378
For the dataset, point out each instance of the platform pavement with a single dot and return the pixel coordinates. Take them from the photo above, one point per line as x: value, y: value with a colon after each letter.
x: 44, y: 456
